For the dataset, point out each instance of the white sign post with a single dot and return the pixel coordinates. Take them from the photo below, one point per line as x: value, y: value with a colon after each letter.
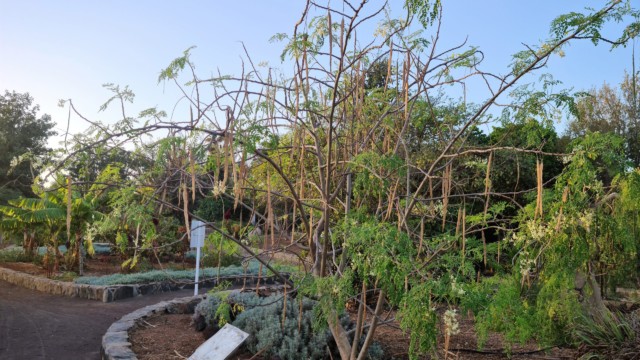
x: 197, y: 241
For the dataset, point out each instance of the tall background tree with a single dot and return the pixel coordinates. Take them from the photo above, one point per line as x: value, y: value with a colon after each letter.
x: 23, y: 140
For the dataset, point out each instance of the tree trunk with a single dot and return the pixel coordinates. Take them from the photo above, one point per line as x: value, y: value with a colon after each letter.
x: 80, y: 248
x: 592, y: 301
x: 340, y: 336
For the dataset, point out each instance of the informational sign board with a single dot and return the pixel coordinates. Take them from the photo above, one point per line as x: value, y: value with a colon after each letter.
x: 197, y: 234
x: 197, y: 241
x: 220, y: 345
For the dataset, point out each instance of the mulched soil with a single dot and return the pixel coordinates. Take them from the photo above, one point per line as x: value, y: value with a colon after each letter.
x: 169, y: 336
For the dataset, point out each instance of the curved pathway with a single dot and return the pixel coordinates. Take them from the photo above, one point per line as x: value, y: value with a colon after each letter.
x: 35, y: 325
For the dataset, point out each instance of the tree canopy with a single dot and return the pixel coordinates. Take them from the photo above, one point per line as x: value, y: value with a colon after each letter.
x: 23, y: 144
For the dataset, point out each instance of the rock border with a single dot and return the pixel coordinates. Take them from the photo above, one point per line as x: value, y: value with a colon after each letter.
x: 109, y: 293
x: 115, y: 342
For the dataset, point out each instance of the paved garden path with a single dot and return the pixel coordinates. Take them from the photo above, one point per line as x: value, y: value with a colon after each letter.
x: 35, y: 325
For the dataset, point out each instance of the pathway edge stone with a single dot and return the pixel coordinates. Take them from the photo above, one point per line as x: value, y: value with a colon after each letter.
x: 111, y: 293
x: 115, y: 342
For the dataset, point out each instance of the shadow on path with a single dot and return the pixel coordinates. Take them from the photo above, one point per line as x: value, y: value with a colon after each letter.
x: 35, y: 325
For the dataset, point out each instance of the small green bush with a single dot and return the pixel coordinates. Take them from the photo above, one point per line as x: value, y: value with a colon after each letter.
x: 16, y: 254
x: 211, y: 260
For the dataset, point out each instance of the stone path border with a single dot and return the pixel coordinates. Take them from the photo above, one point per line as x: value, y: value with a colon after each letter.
x: 115, y: 342
x: 109, y: 293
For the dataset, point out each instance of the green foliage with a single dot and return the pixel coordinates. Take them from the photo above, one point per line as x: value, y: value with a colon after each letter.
x: 388, y: 263
x: 23, y: 144
x: 509, y: 314
x: 212, y: 209
x: 373, y: 177
x: 220, y: 249
x: 585, y: 231
x: 613, y: 330
x: 426, y: 11
x: 419, y: 318
x: 14, y: 254
x: 178, y: 64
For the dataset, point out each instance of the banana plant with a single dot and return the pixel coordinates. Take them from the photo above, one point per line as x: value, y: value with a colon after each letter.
x: 48, y: 215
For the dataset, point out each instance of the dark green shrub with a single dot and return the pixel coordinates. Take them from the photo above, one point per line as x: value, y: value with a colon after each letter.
x: 14, y: 254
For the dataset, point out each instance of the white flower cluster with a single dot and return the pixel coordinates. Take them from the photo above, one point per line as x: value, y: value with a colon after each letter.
x: 218, y: 189
x: 526, y: 263
x: 537, y: 230
x: 586, y: 220
x: 451, y: 326
x: 455, y: 289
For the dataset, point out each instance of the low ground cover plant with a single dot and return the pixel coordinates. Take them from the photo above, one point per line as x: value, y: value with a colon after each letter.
x: 252, y: 269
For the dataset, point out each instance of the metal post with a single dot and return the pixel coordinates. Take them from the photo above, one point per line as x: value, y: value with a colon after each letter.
x: 195, y: 289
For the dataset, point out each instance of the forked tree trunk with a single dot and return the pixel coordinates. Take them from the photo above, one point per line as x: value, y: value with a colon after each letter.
x: 592, y: 301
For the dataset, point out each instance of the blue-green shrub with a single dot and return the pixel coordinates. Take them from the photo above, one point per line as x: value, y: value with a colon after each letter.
x: 262, y: 319
x: 165, y: 275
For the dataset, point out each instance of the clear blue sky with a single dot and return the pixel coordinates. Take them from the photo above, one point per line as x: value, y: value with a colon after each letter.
x: 68, y: 49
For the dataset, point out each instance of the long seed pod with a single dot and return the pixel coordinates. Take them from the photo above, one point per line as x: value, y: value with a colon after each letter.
x: 185, y: 203
x: 464, y: 232
x: 539, y: 168
x: 164, y: 198
x: 270, y: 210
x: 458, y: 222
x: 392, y: 196
x: 446, y: 189
x: 69, y: 199
x: 330, y: 28
x: 407, y: 66
x: 226, y: 153
x: 421, y: 236
x: 192, y: 165
x: 565, y: 197
x: 431, y: 206
x: 487, y: 188
x: 389, y: 62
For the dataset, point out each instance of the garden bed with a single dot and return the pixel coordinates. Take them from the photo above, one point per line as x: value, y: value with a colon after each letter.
x: 113, y: 287
x: 170, y: 336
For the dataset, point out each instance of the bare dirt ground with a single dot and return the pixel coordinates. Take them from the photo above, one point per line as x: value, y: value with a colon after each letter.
x: 35, y: 325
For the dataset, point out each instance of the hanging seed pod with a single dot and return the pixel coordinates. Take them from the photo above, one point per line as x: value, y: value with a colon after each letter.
x: 69, y: 200
x: 539, y: 168
x: 487, y: 189
x: 185, y: 201
x: 192, y: 165
x: 446, y: 189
